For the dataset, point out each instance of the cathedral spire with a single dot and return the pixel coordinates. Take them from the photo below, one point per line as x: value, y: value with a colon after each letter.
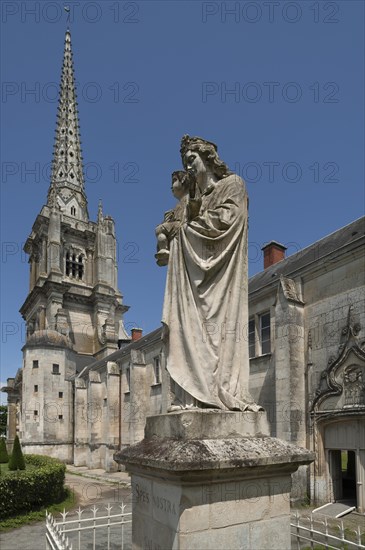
x: 67, y: 183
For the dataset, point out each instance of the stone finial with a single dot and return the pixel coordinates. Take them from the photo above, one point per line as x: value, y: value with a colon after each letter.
x: 100, y: 212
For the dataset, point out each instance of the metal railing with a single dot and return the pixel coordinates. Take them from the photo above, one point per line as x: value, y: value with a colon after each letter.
x: 58, y: 532
x: 315, y: 531
x: 55, y: 538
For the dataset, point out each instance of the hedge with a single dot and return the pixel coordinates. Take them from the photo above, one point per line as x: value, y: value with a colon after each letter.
x: 28, y: 490
x: 16, y: 461
x: 4, y: 457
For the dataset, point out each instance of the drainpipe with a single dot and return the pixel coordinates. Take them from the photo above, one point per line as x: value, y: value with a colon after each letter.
x: 73, y: 420
x: 120, y: 411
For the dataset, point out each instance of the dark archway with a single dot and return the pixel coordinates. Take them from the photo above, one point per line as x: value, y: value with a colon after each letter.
x: 343, y: 474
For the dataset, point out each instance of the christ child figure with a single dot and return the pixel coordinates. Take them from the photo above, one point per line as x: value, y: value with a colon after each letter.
x: 173, y: 219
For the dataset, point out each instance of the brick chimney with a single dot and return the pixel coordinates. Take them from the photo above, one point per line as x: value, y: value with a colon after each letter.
x: 274, y: 252
x: 136, y: 334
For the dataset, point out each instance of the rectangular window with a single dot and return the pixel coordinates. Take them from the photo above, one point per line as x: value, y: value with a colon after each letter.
x: 36, y: 388
x: 265, y: 336
x: 35, y: 364
x: 60, y: 394
x: 128, y: 378
x: 157, y: 369
x: 60, y: 417
x: 251, y: 338
x: 35, y: 413
x: 55, y: 369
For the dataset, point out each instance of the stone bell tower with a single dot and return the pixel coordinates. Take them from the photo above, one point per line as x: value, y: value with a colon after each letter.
x: 74, y: 310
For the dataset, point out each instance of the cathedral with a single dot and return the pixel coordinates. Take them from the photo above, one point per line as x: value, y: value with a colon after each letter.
x: 74, y: 310
x: 86, y: 386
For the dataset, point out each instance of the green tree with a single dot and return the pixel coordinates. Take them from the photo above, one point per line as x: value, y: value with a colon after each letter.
x: 3, y: 419
x: 4, y: 457
x: 16, y: 461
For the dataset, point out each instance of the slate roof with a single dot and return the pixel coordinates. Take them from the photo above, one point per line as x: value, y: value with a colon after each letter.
x: 155, y: 335
x: 320, y: 249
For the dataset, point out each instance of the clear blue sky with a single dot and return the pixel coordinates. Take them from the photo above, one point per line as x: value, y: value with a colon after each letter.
x: 151, y: 71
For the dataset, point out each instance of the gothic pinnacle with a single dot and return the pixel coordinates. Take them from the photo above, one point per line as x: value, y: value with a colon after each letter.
x: 100, y: 212
x: 67, y: 180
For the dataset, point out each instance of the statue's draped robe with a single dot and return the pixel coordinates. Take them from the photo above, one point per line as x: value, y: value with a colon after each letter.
x: 205, y: 307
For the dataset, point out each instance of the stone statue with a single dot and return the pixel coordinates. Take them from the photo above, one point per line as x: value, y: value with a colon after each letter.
x: 205, y: 313
x: 173, y: 219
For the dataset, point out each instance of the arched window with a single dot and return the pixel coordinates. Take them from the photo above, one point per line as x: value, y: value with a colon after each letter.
x: 74, y: 265
x: 80, y: 267
x: 68, y: 264
x: 73, y: 211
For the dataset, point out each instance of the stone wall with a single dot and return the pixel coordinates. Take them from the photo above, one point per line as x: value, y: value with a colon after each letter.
x: 47, y: 412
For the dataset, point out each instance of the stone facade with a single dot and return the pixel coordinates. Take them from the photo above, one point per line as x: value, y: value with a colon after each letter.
x: 113, y: 397
x: 315, y: 299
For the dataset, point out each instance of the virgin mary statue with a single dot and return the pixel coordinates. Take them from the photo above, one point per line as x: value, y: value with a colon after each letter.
x: 205, y: 313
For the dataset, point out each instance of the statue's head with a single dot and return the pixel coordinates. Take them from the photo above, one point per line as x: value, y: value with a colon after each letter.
x: 193, y: 147
x: 179, y: 184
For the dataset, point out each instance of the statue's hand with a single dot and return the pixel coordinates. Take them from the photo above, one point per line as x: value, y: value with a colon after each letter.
x: 191, y: 185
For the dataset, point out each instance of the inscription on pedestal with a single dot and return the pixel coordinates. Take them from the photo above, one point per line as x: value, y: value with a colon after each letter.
x: 143, y: 496
x: 157, y: 501
x: 165, y: 505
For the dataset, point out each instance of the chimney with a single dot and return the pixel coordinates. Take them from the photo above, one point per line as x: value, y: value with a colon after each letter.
x: 136, y: 334
x: 274, y: 252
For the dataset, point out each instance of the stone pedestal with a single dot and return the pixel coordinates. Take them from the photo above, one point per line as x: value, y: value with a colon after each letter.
x: 206, y: 479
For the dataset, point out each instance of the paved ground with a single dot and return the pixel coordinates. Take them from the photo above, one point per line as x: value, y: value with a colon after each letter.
x: 113, y: 477
x: 91, y: 487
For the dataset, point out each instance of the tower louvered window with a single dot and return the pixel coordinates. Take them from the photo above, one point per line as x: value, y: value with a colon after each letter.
x: 74, y: 265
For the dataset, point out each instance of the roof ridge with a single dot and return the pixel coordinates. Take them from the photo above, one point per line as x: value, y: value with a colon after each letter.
x: 302, y: 250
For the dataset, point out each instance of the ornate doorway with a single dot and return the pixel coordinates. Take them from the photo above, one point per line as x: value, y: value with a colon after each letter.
x: 338, y: 420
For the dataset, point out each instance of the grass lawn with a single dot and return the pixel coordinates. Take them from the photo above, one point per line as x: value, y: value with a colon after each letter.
x: 68, y: 503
